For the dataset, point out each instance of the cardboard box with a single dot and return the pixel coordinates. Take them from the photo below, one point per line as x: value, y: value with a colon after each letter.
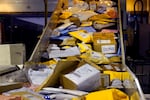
x: 12, y: 54
x: 104, y: 42
x: 85, y: 78
x: 105, y: 80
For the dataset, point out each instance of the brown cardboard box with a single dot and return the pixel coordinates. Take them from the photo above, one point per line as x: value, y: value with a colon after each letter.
x: 104, y: 42
x: 105, y: 80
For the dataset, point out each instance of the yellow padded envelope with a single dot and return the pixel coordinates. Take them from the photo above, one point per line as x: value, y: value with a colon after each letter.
x: 82, y: 35
x: 118, y: 75
x: 109, y: 94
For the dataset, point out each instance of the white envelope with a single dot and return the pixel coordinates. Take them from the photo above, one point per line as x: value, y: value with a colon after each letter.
x: 72, y: 51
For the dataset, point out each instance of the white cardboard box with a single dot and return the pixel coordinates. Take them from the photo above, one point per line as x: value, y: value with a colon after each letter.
x: 12, y: 54
x: 86, y: 78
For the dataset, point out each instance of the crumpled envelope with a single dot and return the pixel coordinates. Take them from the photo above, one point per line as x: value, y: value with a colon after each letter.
x: 95, y: 57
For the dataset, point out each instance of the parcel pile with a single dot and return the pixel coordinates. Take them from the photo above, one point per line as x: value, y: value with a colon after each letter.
x: 83, y: 59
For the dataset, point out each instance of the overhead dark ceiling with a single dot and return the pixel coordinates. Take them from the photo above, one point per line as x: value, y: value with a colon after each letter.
x: 10, y: 6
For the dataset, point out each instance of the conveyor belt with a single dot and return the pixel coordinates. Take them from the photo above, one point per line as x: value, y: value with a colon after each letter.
x: 44, y: 41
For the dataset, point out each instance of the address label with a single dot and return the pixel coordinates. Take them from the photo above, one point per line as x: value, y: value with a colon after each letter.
x: 108, y: 49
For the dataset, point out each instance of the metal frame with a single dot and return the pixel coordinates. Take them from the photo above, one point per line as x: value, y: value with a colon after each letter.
x: 141, y: 94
